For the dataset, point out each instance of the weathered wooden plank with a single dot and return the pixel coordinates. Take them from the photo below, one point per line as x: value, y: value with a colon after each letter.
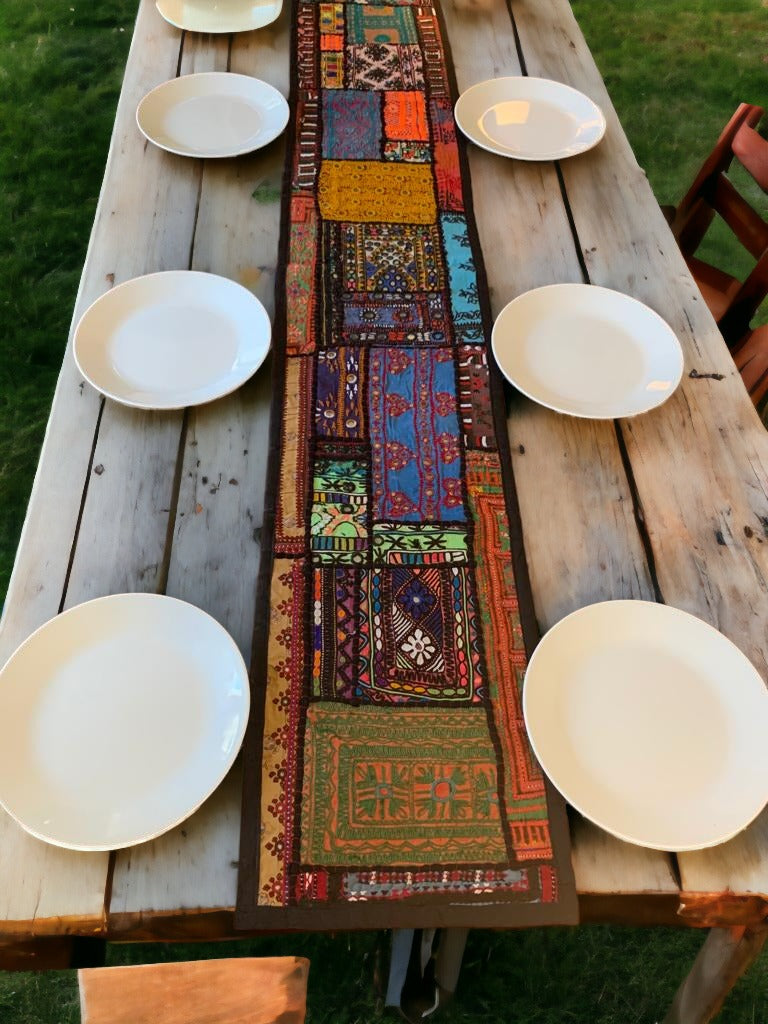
x: 603, y: 864
x: 270, y: 990
x: 201, y: 53
x: 190, y: 868
x: 215, y: 554
x: 701, y: 460
x: 122, y: 538
x: 738, y: 865
x: 44, y: 889
x: 216, y: 545
x: 123, y: 534
x: 581, y: 539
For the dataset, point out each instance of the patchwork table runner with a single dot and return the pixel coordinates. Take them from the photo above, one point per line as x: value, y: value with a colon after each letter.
x: 389, y: 779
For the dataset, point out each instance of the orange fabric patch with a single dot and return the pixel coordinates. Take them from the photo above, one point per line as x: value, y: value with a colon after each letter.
x: 300, y: 276
x: 448, y: 176
x: 331, y: 42
x: 405, y: 116
x: 366, y: 191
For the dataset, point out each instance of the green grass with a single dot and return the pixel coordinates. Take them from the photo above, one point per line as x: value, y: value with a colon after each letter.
x: 594, y: 975
x: 676, y: 71
x: 61, y: 66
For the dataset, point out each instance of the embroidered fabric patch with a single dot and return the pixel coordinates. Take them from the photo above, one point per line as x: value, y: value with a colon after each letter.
x: 371, y: 192
x: 388, y: 771
x: 407, y: 788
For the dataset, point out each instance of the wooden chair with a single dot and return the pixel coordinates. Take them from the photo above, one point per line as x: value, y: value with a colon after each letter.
x: 751, y: 358
x: 732, y: 302
x: 269, y: 990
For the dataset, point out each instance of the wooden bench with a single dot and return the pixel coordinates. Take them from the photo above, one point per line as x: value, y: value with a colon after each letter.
x: 269, y: 990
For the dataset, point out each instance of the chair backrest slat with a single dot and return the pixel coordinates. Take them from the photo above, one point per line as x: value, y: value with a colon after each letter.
x: 733, y: 302
x: 752, y: 151
x: 746, y: 224
x: 721, y: 157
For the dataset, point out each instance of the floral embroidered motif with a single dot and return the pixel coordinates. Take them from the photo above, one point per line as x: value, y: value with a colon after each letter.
x: 418, y: 647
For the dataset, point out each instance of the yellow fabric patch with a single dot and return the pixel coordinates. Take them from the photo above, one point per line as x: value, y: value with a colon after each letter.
x: 367, y: 191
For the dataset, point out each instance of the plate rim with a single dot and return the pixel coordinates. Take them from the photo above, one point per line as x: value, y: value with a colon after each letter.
x: 227, y: 764
x: 662, y: 397
x: 675, y: 612
x: 202, y: 154
x: 219, y: 31
x: 499, y: 150
x: 170, y: 406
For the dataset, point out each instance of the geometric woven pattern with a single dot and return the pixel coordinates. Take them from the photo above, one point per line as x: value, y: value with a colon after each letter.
x: 388, y: 768
x: 401, y: 789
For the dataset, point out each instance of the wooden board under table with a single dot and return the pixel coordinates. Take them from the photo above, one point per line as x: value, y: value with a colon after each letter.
x: 670, y: 505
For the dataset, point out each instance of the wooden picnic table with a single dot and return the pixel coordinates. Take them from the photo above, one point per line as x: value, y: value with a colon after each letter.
x: 670, y: 506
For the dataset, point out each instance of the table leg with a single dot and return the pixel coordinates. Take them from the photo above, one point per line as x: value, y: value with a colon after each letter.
x: 399, y: 958
x: 724, y: 957
x: 450, y: 953
x: 422, y: 979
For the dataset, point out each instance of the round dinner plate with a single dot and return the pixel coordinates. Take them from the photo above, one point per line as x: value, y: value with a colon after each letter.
x: 587, y: 351
x: 118, y: 718
x: 651, y: 723
x: 172, y: 339
x: 219, y: 15
x: 212, y: 114
x: 529, y: 118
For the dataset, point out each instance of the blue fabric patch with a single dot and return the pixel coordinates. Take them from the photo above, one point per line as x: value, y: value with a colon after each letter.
x: 415, y: 436
x: 467, y: 319
x: 351, y: 125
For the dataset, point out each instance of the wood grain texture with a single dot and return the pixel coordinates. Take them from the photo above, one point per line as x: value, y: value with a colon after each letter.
x: 122, y: 538
x: 603, y: 864
x: 738, y: 866
x: 269, y: 990
x: 43, y: 887
x: 216, y: 534
x: 193, y: 867
x: 122, y: 543
x: 177, y: 505
x: 581, y: 539
x: 700, y: 461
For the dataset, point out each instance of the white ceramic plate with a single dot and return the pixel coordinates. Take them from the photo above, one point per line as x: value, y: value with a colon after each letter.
x: 212, y: 114
x: 118, y: 718
x: 651, y: 723
x: 529, y: 118
x: 173, y: 339
x: 220, y: 15
x: 587, y: 351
